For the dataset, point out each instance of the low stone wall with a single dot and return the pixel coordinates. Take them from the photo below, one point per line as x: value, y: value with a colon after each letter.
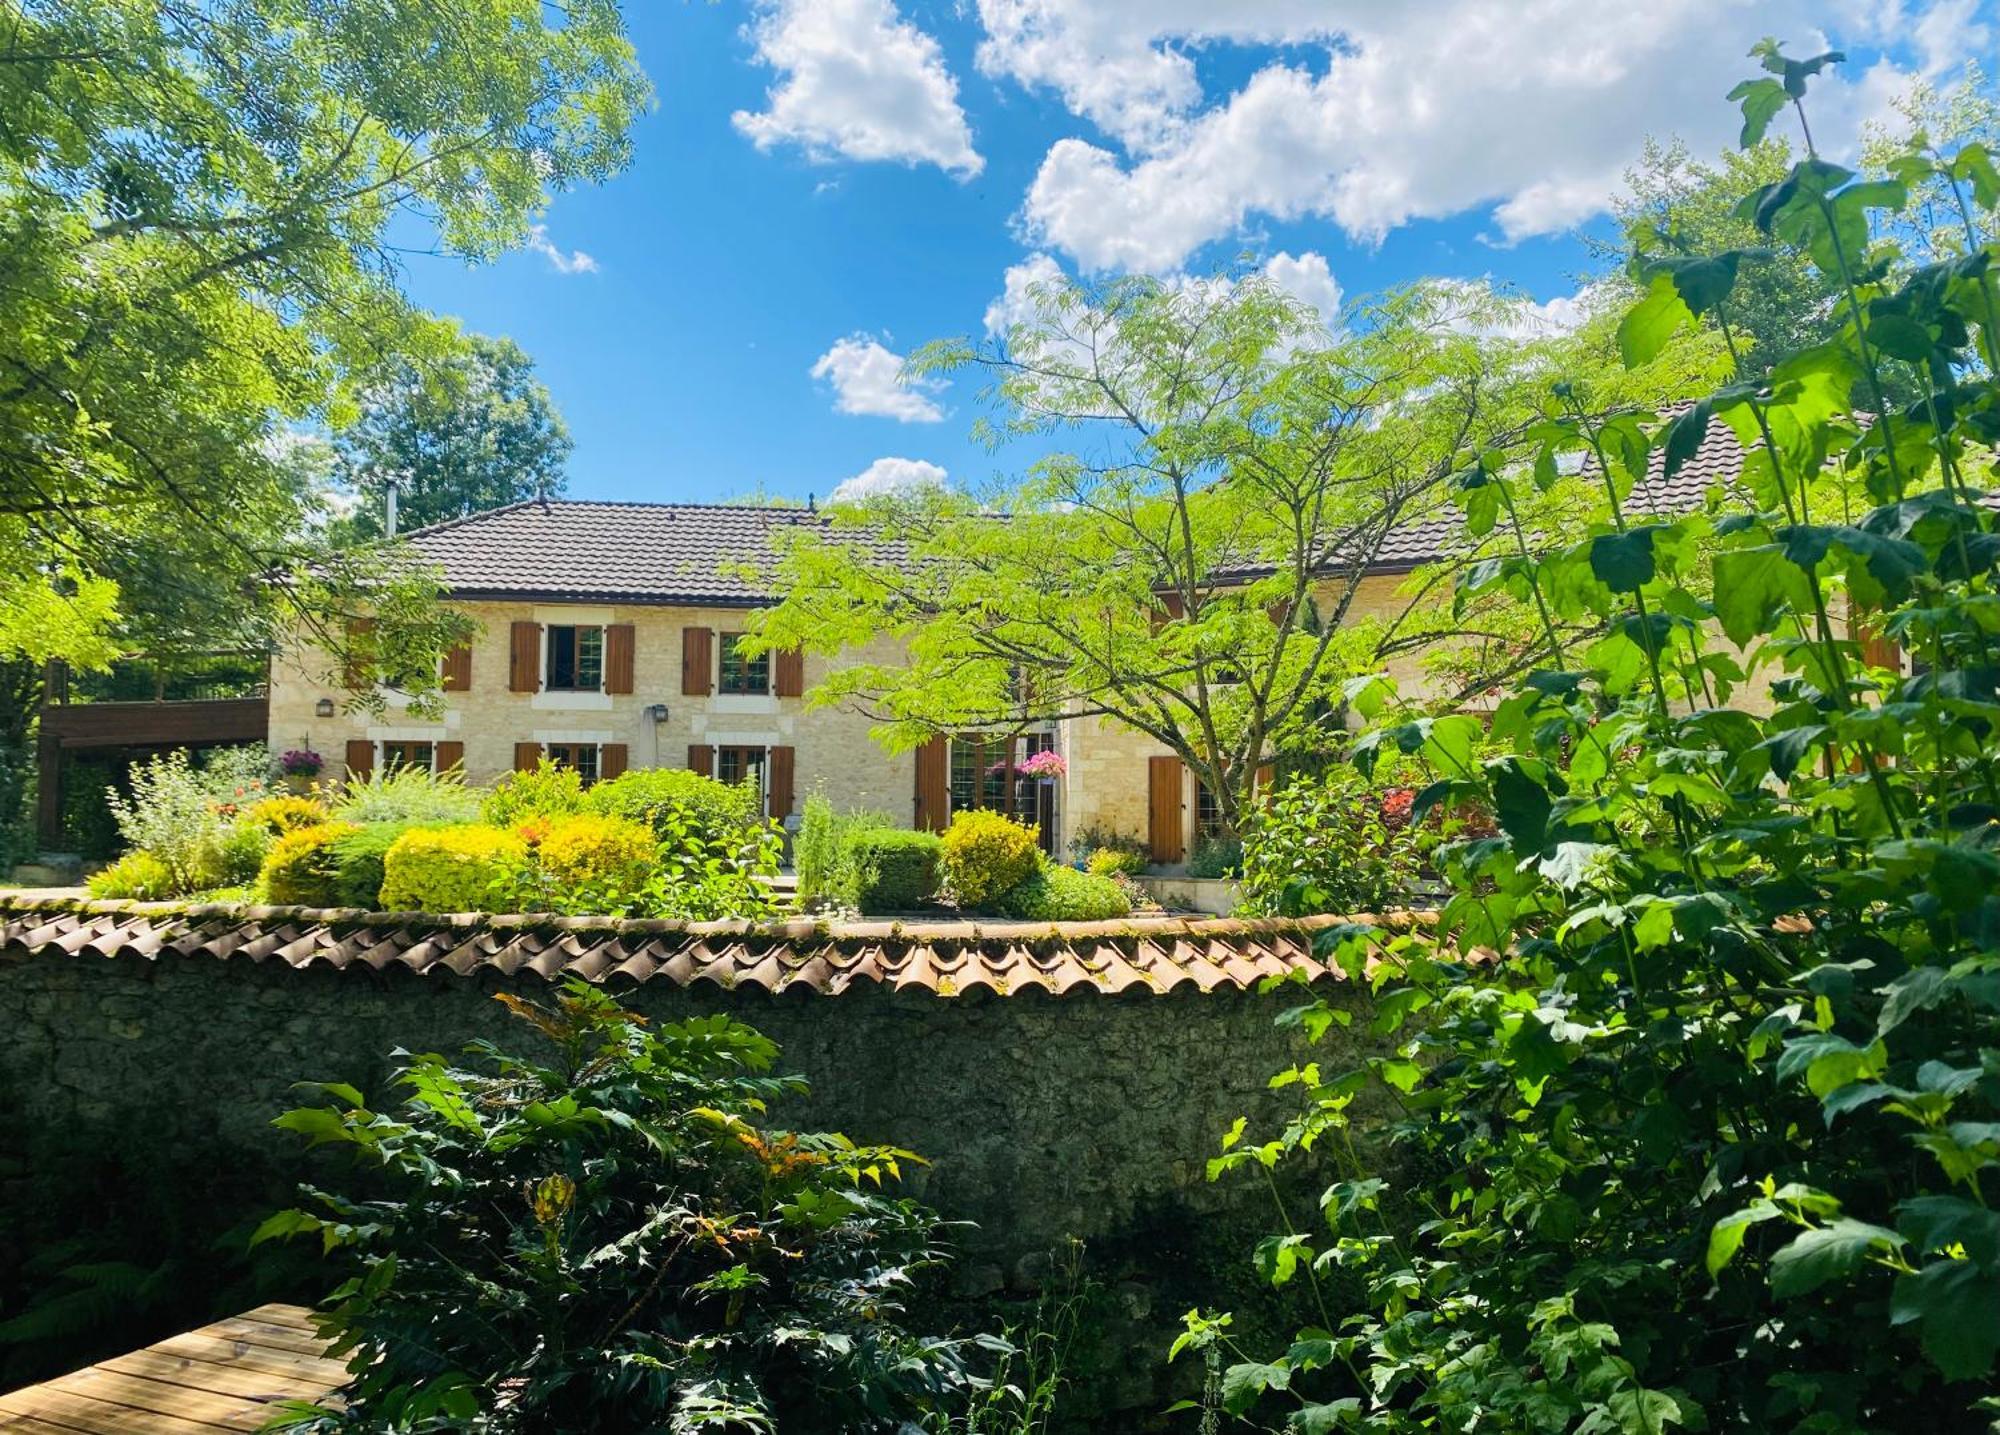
x: 148, y: 1077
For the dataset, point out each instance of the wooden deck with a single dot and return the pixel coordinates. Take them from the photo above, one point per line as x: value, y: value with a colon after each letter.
x: 226, y: 1376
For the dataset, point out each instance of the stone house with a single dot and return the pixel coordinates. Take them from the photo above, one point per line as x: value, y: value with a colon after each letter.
x: 608, y: 639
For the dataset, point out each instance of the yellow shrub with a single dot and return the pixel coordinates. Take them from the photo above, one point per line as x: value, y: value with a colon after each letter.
x: 285, y: 812
x: 138, y: 875
x: 986, y: 855
x: 595, y: 853
x: 300, y: 869
x: 470, y: 868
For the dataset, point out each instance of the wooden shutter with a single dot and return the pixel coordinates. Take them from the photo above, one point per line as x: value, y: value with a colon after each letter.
x: 450, y: 756
x: 790, y: 674
x: 354, y: 671
x: 780, y: 769
x: 933, y: 786
x: 524, y: 658
x: 701, y: 759
x: 610, y: 760
x: 527, y: 756
x: 1164, y: 832
x: 618, y: 658
x: 697, y: 662
x: 1877, y: 651
x: 360, y: 757
x: 457, y: 672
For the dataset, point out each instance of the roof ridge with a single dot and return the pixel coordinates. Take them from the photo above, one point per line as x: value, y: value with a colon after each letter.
x: 476, y: 515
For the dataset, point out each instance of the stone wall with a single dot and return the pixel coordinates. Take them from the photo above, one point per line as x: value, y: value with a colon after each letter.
x: 136, y: 1083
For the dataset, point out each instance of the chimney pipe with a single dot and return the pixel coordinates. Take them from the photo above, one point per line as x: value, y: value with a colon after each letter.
x: 389, y: 504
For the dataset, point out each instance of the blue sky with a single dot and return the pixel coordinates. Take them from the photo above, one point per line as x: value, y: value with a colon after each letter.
x: 868, y: 171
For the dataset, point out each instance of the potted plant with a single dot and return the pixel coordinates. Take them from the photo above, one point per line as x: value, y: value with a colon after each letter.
x: 1045, y: 766
x: 300, y: 766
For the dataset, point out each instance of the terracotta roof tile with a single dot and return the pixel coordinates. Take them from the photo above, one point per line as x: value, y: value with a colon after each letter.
x: 1140, y: 954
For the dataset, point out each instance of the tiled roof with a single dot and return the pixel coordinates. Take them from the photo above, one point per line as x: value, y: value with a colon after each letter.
x: 1140, y: 954
x: 585, y: 551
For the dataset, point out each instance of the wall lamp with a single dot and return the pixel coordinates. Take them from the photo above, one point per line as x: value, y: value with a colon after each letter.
x: 657, y: 712
x: 323, y: 708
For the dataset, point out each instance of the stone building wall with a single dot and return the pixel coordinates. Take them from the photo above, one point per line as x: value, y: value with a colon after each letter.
x: 135, y: 1083
x: 833, y: 748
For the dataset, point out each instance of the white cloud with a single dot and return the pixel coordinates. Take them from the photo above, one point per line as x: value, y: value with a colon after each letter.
x: 857, y: 80
x: 889, y: 475
x: 1016, y: 301
x: 868, y: 379
x: 1420, y: 110
x: 1308, y: 280
x: 574, y: 261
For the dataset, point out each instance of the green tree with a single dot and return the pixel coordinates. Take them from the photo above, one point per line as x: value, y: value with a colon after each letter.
x: 1189, y: 571
x: 195, y: 210
x: 473, y: 430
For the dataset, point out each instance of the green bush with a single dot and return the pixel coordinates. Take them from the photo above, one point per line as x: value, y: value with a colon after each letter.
x: 672, y: 800
x: 889, y: 870
x: 237, y: 855
x: 1334, y: 843
x: 1063, y: 894
x: 1215, y: 857
x: 188, y: 818
x: 548, y: 791
x: 301, y: 868
x: 469, y: 868
x: 358, y: 855
x: 1118, y: 861
x: 823, y: 852
x: 138, y: 875
x: 408, y: 794
x: 985, y: 855
x: 643, y: 1253
x: 284, y: 812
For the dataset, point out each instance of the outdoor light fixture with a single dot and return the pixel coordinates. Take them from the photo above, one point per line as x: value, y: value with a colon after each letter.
x: 657, y: 712
x: 323, y: 708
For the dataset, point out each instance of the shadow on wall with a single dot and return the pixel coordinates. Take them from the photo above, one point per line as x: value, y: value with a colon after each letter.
x: 142, y: 1092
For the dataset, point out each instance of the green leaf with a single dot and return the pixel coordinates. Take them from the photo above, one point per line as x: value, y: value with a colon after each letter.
x: 1623, y: 562
x: 1521, y: 805
x: 1725, y: 1237
x: 1752, y: 588
x: 1936, y: 1223
x: 1761, y: 100
x: 1650, y: 324
x: 1242, y: 1384
x: 1685, y: 435
x: 1956, y: 1307
x: 1639, y: 1411
x: 1827, y: 1253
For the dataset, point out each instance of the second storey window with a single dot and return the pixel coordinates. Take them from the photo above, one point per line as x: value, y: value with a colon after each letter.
x: 576, y: 659
x: 741, y: 673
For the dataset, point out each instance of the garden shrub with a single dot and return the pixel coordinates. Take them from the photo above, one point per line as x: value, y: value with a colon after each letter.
x: 358, y: 857
x: 823, y: 851
x: 408, y: 794
x: 467, y: 868
x: 671, y: 800
x: 286, y: 812
x: 1212, y: 857
x: 603, y: 1233
x: 1698, y: 1074
x: 138, y: 875
x: 1117, y: 861
x: 590, y: 855
x: 302, y: 870
x: 1063, y: 894
x: 189, y: 819
x: 985, y: 854
x: 886, y: 869
x: 548, y: 791
x: 1334, y: 843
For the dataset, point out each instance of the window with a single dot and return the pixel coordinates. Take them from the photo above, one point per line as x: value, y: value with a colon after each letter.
x: 979, y: 772
x: 740, y: 764
x: 576, y: 659
x: 1207, y: 812
x: 578, y: 757
x: 742, y: 674
x: 409, y: 754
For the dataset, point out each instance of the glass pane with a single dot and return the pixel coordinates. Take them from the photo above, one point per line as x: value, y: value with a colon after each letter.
x: 562, y: 657
x: 589, y: 658
x: 740, y: 674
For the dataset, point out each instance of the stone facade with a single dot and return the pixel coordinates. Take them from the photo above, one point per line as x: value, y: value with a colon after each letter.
x: 142, y: 1092
x: 833, y: 749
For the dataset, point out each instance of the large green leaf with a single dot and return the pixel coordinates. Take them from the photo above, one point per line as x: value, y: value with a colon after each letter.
x: 1623, y: 562
x: 1828, y: 1253
x: 1956, y: 1306
x: 1650, y: 324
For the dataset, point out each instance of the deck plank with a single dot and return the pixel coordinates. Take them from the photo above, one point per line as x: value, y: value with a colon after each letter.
x: 228, y: 1376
